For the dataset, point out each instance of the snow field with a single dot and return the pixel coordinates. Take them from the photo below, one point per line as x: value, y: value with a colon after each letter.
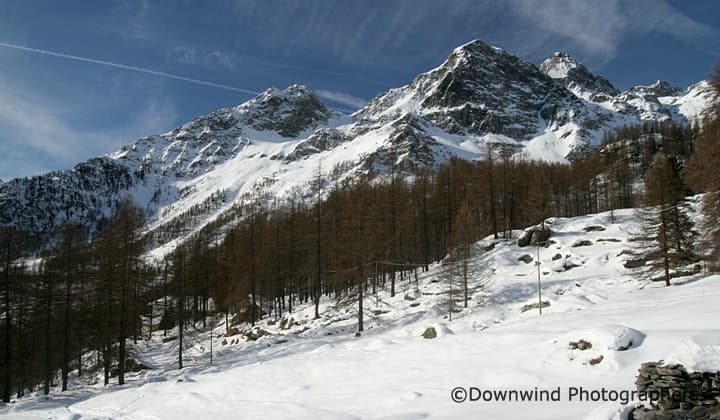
x: 318, y: 369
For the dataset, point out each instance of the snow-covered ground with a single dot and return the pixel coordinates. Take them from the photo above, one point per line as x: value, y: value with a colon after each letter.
x: 319, y: 369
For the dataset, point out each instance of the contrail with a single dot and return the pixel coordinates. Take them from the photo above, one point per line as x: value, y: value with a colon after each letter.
x: 125, y: 67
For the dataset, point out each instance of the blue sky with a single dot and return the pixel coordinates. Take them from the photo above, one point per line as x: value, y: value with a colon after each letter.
x: 56, y: 111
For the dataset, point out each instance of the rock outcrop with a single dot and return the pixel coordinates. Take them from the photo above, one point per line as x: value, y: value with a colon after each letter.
x: 678, y: 394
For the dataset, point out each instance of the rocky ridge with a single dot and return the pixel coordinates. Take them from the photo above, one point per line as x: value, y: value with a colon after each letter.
x: 273, y: 145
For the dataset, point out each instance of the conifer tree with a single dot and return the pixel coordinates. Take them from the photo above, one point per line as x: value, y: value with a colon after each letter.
x: 67, y: 262
x: 667, y: 229
x: 703, y: 175
x: 10, y: 250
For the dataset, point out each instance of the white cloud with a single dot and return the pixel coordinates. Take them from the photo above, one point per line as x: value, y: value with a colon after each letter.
x: 124, y: 67
x: 37, y: 135
x: 600, y: 28
x: 197, y: 57
x: 596, y: 28
x: 182, y: 54
x: 341, y: 98
x: 660, y: 17
x: 392, y: 36
x: 222, y: 59
x: 384, y: 35
x: 130, y: 19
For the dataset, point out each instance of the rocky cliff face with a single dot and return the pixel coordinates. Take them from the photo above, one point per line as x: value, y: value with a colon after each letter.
x: 42, y: 203
x: 157, y: 171
x: 658, y: 101
x: 274, y: 144
x: 577, y: 78
x: 481, y: 89
x: 288, y: 112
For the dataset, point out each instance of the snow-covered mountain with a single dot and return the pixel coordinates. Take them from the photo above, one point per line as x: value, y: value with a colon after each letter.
x: 275, y: 144
x: 658, y: 101
x: 577, y: 78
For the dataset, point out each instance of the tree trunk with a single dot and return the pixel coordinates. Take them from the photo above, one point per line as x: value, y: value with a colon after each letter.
x: 7, y: 389
x: 361, y: 287
x: 48, y: 322
x: 181, y: 311
x: 491, y: 184
x: 465, y: 281
x: 66, y: 335
x: 252, y: 267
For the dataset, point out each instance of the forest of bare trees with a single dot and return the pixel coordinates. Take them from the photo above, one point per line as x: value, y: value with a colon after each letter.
x: 79, y: 302
x: 78, y: 298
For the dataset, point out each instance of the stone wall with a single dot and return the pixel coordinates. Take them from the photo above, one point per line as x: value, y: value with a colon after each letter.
x: 682, y: 394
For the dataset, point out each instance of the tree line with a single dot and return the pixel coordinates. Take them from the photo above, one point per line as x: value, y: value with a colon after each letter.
x: 78, y: 299
x: 88, y: 297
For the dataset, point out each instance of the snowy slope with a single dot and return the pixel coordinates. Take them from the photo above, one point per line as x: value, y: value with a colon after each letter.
x: 319, y: 369
x: 659, y: 101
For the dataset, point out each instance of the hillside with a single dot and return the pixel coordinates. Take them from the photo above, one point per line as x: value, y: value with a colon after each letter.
x: 275, y: 144
x: 320, y: 369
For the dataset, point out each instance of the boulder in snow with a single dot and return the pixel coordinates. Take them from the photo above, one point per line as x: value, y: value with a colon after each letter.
x: 535, y: 305
x: 429, y: 333
x: 287, y: 322
x: 434, y: 331
x: 635, y: 263
x: 571, y: 263
x: 612, y: 337
x: 526, y: 258
x: 596, y: 360
x: 534, y: 236
x: 580, y: 345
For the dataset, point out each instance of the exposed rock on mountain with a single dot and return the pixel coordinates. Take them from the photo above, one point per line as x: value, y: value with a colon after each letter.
x: 273, y: 145
x: 288, y: 112
x: 577, y: 78
x: 478, y: 90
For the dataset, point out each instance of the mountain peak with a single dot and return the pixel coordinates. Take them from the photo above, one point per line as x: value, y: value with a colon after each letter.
x: 476, y: 52
x: 479, y: 95
x: 575, y: 76
x: 288, y: 111
x: 559, y: 65
x: 659, y: 88
x: 294, y: 90
x: 470, y: 91
x: 477, y: 45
